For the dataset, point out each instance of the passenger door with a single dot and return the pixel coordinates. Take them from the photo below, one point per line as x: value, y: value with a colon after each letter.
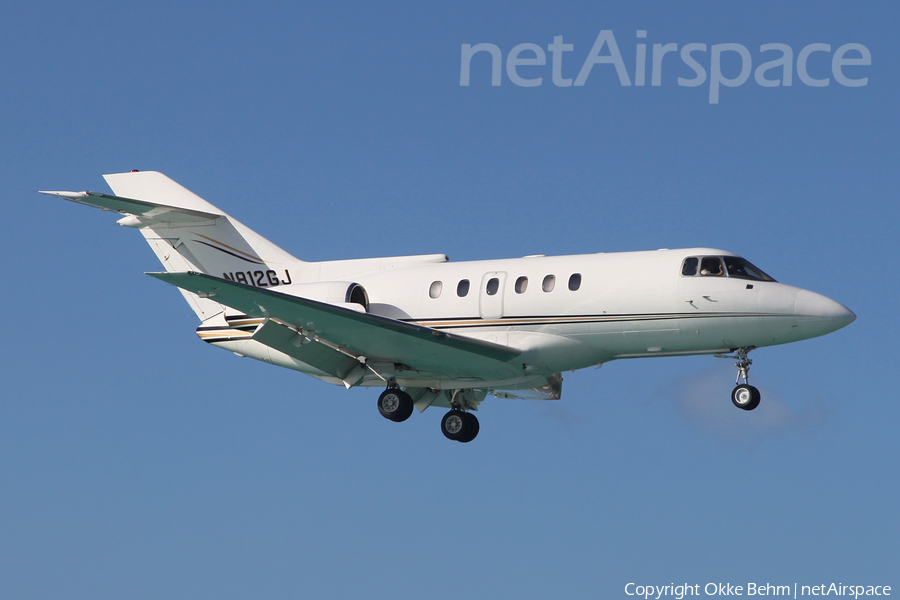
x: 490, y: 300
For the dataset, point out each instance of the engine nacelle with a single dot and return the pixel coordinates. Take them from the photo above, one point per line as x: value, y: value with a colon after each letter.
x: 340, y: 293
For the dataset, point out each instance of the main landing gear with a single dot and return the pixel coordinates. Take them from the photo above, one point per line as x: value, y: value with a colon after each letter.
x: 458, y: 425
x: 744, y: 395
x: 395, y: 404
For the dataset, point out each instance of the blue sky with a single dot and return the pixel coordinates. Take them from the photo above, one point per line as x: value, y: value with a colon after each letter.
x: 135, y: 461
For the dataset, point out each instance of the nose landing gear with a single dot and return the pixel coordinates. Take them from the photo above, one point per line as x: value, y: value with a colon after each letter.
x: 744, y: 395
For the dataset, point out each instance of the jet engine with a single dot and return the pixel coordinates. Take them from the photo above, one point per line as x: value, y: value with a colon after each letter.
x: 340, y: 293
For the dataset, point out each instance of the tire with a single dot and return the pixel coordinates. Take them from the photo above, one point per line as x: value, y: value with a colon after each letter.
x: 453, y: 425
x: 745, y: 397
x: 395, y: 405
x: 754, y: 402
x: 470, y: 430
x: 459, y: 426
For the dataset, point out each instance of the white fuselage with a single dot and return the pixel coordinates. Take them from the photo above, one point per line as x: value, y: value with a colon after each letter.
x: 626, y: 305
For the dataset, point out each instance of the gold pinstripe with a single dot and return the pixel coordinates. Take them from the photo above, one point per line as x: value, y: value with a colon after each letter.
x: 231, y: 248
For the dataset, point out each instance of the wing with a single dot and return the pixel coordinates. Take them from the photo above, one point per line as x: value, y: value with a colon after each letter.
x: 361, y: 336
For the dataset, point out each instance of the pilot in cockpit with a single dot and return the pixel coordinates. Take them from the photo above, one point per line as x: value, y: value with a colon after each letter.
x: 711, y: 266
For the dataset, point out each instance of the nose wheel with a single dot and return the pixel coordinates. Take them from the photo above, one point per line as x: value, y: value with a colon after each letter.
x: 744, y: 395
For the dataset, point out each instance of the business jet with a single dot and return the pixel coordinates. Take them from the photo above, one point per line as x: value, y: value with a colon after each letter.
x: 443, y: 334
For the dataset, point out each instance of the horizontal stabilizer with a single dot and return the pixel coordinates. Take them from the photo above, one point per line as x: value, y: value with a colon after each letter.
x: 147, y: 212
x: 361, y: 334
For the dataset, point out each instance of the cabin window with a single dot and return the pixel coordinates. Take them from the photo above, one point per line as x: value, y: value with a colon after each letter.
x: 574, y: 281
x: 462, y: 288
x: 690, y: 266
x: 435, y: 290
x: 549, y: 283
x: 712, y: 266
x: 521, y: 285
x: 493, y: 286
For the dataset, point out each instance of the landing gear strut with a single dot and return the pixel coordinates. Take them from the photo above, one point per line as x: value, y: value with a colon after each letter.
x: 395, y: 404
x: 744, y: 395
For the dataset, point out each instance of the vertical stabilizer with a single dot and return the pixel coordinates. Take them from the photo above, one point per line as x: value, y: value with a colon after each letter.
x: 187, y: 233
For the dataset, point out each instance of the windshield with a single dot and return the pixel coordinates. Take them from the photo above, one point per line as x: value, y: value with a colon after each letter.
x: 738, y: 267
x: 722, y: 266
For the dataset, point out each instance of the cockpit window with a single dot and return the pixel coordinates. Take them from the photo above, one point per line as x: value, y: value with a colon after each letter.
x: 722, y: 266
x: 738, y: 267
x: 711, y: 265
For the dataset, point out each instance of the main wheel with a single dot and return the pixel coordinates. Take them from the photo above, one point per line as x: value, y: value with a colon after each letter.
x: 395, y: 404
x: 470, y: 428
x: 745, y: 397
x: 459, y: 426
x: 453, y: 424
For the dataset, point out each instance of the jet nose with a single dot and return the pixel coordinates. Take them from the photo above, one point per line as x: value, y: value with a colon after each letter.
x: 819, y: 315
